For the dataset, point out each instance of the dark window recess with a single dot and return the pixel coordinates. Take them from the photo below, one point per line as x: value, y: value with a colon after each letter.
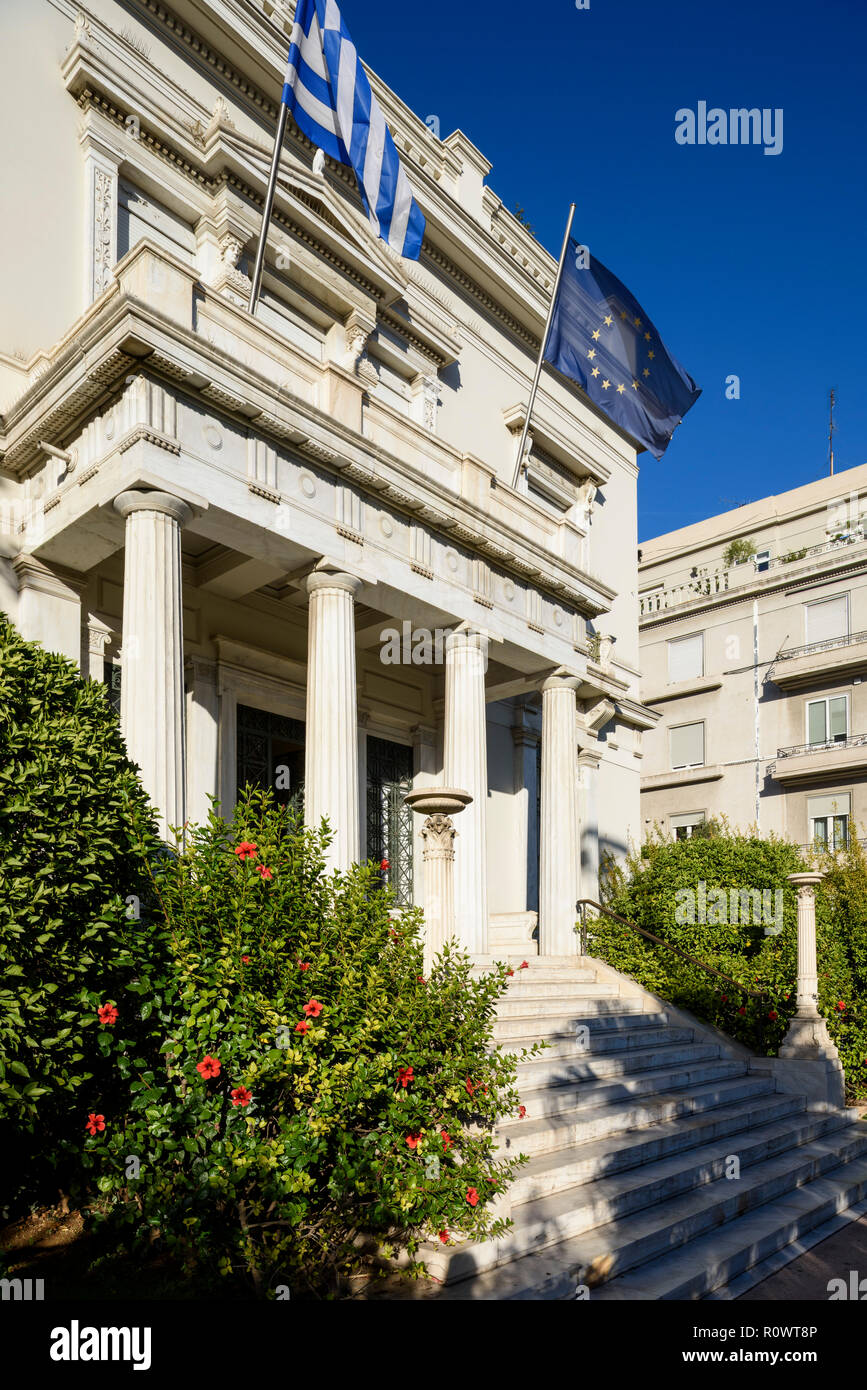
x: 271, y: 754
x: 111, y: 681
x: 389, y: 819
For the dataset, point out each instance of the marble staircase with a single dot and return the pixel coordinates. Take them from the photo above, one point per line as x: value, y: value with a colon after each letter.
x: 660, y: 1165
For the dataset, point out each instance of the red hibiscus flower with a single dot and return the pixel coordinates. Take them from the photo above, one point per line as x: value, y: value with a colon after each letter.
x: 841, y: 1006
x: 446, y: 1140
x: 773, y: 1015
x: 725, y: 998
x: 385, y: 866
x: 421, y: 979
x: 312, y: 1009
x: 444, y: 1237
x: 107, y: 1014
x: 742, y: 1010
x: 302, y: 1027
x: 241, y: 1096
x: 95, y: 1122
x: 471, y: 1090
x: 208, y: 1067
x: 522, y: 1110
x: 405, y: 1075
x: 263, y: 873
x: 245, y: 960
x: 510, y: 971
x: 303, y: 965
x: 413, y: 1140
x: 525, y: 965
x: 246, y: 850
x: 473, y: 1197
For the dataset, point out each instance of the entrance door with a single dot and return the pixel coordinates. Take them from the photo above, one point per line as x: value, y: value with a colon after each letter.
x: 271, y: 754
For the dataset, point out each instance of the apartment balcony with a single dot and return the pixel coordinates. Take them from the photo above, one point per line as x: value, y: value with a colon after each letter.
x: 805, y: 762
x: 838, y: 656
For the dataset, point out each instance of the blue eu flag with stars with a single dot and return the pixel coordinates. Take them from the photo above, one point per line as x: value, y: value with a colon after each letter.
x: 602, y: 339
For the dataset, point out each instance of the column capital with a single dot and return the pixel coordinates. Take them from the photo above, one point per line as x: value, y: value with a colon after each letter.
x: 134, y: 501
x: 561, y: 679
x: 337, y: 580
x: 806, y: 882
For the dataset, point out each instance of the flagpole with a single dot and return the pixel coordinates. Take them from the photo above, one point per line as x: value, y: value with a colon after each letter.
x: 542, y: 347
x: 266, y: 211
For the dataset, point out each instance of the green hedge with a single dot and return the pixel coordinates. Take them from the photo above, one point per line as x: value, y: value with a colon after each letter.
x: 653, y: 891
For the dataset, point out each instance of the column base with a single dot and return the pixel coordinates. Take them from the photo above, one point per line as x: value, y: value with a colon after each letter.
x: 821, y: 1079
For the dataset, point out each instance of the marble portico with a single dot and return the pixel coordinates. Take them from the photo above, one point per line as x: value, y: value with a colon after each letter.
x: 219, y: 516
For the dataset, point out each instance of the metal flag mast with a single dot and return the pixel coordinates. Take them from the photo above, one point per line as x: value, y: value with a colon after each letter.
x: 267, y: 208
x: 542, y: 346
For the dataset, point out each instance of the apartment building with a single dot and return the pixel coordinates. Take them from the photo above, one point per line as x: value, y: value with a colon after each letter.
x: 753, y: 638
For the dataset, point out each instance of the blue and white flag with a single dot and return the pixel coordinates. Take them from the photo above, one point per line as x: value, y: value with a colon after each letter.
x: 329, y: 96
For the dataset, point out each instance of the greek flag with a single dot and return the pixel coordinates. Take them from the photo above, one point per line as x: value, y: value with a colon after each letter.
x: 329, y: 96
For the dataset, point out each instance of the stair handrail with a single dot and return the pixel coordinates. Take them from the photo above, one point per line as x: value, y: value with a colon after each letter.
x: 582, y: 906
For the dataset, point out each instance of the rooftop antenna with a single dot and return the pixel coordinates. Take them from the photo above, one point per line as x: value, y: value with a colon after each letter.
x: 831, y: 429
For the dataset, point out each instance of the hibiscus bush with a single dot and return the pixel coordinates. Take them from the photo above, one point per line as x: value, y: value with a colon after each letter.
x: 304, y: 1092
x: 74, y: 827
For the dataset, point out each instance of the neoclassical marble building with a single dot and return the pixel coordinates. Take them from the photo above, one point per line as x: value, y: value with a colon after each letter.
x: 224, y: 518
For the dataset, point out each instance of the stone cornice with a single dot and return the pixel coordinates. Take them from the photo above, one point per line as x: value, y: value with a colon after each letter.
x: 119, y: 333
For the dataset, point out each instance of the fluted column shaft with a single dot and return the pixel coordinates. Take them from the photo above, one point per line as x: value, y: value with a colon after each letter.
x: 331, y: 748
x: 438, y: 833
x: 152, y: 650
x: 559, y: 844
x: 466, y: 766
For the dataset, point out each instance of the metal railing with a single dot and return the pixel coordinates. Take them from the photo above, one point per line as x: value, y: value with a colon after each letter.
x: 582, y: 906
x: 829, y: 645
x: 828, y: 746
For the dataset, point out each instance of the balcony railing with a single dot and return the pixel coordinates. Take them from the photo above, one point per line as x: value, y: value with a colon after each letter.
x: 848, y: 538
x: 831, y: 744
x: 825, y: 646
x: 657, y: 600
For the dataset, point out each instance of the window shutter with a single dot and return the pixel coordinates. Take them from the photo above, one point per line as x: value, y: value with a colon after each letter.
x: 820, y: 806
x: 686, y: 657
x: 687, y: 745
x: 828, y: 619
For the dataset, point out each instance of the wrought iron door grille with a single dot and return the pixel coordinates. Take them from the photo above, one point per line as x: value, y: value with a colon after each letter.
x: 389, y: 819
x: 271, y: 751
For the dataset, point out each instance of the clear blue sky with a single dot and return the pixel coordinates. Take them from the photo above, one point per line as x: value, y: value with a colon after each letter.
x: 749, y: 264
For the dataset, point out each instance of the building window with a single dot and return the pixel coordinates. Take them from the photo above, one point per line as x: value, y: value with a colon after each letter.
x: 389, y: 819
x: 271, y: 754
x: 763, y: 560
x: 686, y: 657
x: 684, y: 826
x: 828, y: 720
x: 687, y: 746
x: 828, y: 818
x: 827, y: 620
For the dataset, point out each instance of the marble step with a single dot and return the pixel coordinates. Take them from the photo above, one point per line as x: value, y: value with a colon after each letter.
x: 606, y: 1121
x: 611, y: 1043
x: 602, y: 1015
x: 586, y: 1163
x: 561, y: 1105
x: 526, y: 1002
x: 520, y: 987
x: 624, y: 1258
x: 552, y: 1072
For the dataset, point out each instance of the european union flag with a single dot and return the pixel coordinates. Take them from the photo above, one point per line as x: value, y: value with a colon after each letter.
x: 602, y: 339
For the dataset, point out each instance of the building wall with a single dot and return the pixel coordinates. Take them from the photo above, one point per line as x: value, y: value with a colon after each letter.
x: 750, y: 703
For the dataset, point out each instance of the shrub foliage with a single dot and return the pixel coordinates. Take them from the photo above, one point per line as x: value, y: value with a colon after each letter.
x: 649, y: 891
x: 303, y: 1088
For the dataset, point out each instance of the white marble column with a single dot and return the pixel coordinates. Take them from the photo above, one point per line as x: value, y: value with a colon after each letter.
x: 438, y: 833
x: 559, y: 857
x: 203, y: 738
x: 466, y: 766
x: 331, y: 752
x: 152, y: 648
